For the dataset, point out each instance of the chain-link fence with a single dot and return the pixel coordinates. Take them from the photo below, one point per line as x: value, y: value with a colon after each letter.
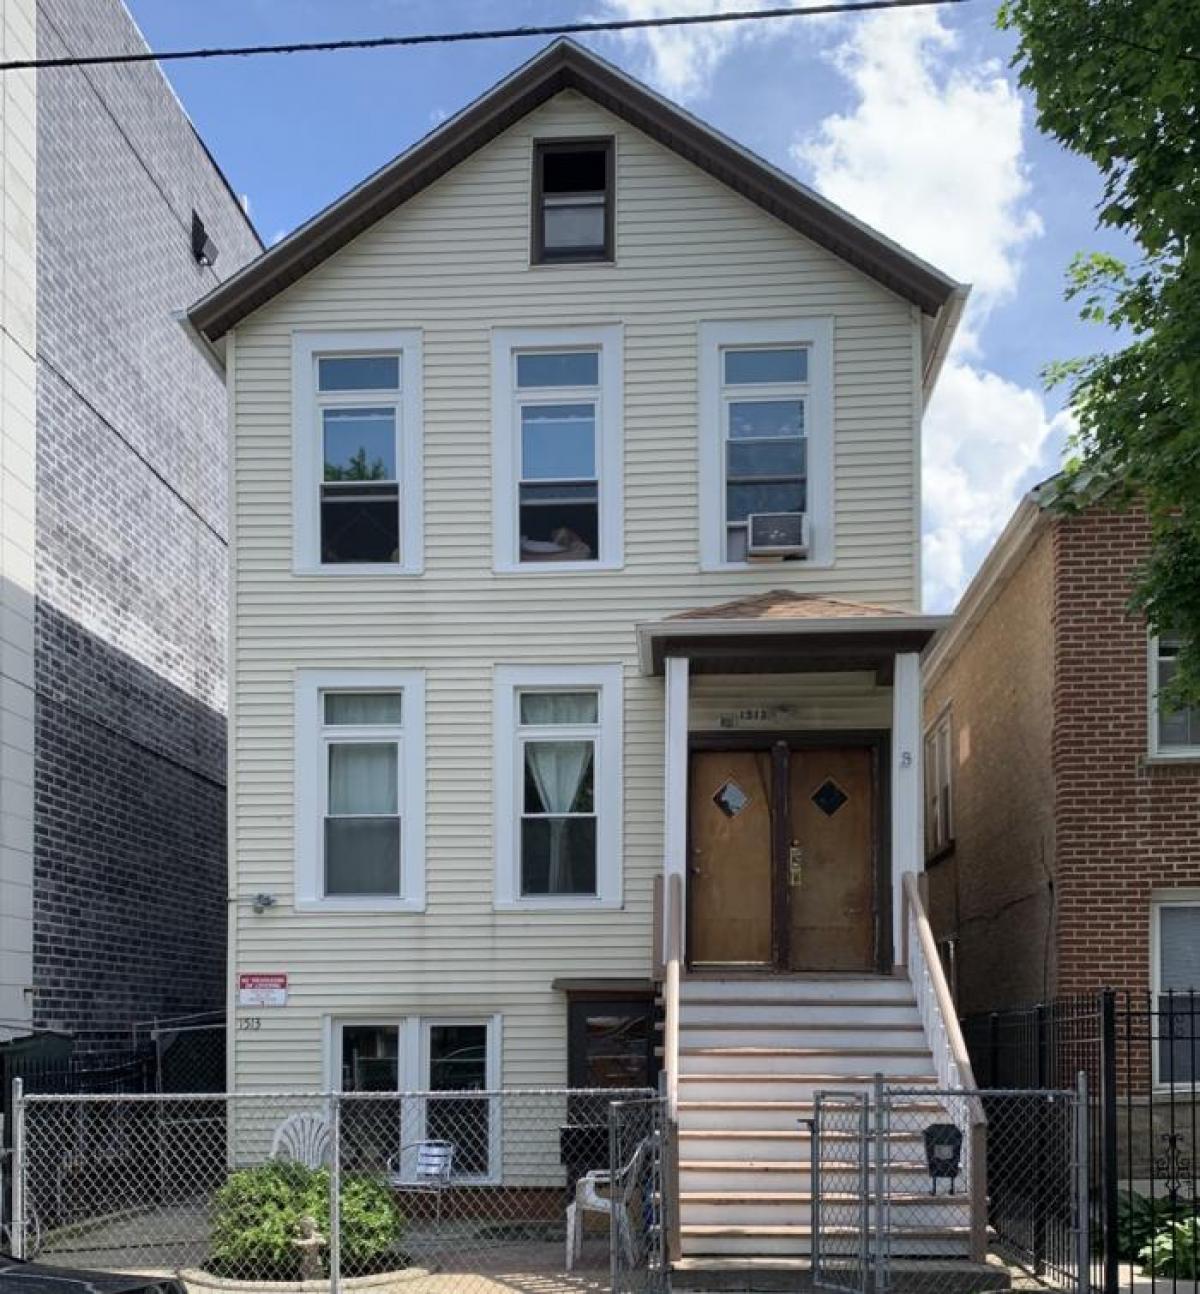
x: 950, y: 1192
x: 841, y: 1190
x: 637, y: 1192
x: 436, y: 1191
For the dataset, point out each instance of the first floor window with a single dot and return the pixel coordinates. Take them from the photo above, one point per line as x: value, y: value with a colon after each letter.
x: 356, y: 459
x: 939, y: 825
x: 360, y: 788
x: 1177, y: 982
x: 1175, y: 729
x: 558, y: 784
x: 610, y: 1042
x: 400, y: 1069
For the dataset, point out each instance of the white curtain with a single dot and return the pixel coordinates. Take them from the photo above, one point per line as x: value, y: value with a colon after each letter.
x: 558, y: 707
x: 362, y: 778
x: 362, y: 707
x: 558, y: 769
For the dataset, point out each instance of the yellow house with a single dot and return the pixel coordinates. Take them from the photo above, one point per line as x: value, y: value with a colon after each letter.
x: 575, y: 633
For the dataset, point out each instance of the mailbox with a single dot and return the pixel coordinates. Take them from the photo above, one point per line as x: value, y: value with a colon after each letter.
x: 943, y: 1154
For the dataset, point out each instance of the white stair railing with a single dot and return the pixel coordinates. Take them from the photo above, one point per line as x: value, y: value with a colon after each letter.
x: 951, y: 1062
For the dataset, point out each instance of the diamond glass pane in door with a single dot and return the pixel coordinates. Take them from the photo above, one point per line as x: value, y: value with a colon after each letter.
x: 731, y: 799
x: 829, y: 797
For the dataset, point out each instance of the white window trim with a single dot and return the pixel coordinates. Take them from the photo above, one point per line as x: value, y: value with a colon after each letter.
x: 413, y: 1068
x: 306, y: 450
x: 1159, y: 899
x: 309, y: 789
x: 508, y: 784
x: 817, y: 335
x: 610, y: 437
x: 1157, y: 751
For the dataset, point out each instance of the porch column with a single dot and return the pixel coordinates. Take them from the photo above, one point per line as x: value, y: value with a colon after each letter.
x: 907, y: 787
x: 675, y: 779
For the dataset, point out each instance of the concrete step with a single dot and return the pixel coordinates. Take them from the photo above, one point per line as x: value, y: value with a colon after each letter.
x: 767, y: 1240
x: 890, y: 1061
x: 795, y: 1207
x: 744, y: 1085
x: 742, y: 1176
x: 767, y: 1114
x: 717, y: 1274
x: 759, y: 1146
x: 797, y: 1011
x: 820, y: 988
x: 833, y: 1037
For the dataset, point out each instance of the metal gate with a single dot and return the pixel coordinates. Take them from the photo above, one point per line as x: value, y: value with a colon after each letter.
x: 939, y: 1186
x: 637, y: 1133
x: 841, y: 1190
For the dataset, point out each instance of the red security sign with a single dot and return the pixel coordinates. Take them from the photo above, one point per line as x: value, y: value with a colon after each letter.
x: 262, y: 988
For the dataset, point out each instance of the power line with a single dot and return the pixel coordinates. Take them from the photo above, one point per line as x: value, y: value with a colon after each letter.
x: 457, y: 37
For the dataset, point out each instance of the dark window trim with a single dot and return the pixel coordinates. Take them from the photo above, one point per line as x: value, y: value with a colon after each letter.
x: 537, y: 253
x: 581, y: 1005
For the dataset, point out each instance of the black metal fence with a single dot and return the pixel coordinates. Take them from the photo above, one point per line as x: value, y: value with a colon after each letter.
x: 1141, y: 1056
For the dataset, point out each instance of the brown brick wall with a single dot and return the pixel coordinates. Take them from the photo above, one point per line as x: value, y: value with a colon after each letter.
x: 993, y: 891
x: 1126, y: 825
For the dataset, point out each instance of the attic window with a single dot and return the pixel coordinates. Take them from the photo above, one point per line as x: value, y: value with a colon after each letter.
x: 572, y: 200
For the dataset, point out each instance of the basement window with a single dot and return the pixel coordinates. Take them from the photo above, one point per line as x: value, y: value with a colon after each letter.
x: 572, y: 200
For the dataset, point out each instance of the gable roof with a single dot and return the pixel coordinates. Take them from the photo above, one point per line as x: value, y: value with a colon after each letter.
x: 565, y: 65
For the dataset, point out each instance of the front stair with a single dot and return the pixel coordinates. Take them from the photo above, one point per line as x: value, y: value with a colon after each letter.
x: 752, y: 1054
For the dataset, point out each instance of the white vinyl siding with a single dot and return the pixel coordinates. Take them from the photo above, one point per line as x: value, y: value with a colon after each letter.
x: 455, y: 262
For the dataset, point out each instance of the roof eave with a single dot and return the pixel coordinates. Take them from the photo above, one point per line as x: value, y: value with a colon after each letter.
x: 562, y: 66
x: 655, y: 633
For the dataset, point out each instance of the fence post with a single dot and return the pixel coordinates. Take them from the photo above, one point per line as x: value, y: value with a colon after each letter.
x: 615, y: 1151
x: 1040, y: 1220
x: 335, y: 1193
x: 17, y: 1236
x: 1082, y: 1204
x: 881, y: 1219
x: 814, y: 1158
x: 1110, y: 1223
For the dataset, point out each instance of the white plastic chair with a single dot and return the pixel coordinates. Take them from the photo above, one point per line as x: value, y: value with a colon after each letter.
x: 303, y: 1139
x: 589, y: 1200
x: 425, y: 1167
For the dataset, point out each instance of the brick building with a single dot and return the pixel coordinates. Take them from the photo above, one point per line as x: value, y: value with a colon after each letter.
x: 112, y: 613
x: 1062, y: 801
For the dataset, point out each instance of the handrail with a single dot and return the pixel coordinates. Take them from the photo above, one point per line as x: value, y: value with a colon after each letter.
x: 673, y: 961
x: 935, y: 1004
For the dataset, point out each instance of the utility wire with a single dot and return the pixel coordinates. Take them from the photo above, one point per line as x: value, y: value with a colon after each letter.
x: 457, y: 37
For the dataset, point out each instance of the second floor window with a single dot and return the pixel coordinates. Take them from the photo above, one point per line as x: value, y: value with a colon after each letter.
x: 557, y: 448
x: 1175, y: 730
x: 357, y: 453
x: 766, y: 442
x: 939, y: 822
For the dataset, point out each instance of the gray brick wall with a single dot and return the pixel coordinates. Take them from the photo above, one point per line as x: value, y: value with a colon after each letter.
x: 129, y: 849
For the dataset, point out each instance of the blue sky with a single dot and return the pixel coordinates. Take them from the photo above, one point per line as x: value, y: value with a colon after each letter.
x: 911, y: 120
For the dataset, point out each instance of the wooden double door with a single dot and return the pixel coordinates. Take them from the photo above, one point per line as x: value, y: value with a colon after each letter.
x: 783, y: 857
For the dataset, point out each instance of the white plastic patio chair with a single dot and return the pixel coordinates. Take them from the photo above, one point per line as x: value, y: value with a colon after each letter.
x: 589, y: 1200
x: 425, y: 1167
x: 303, y: 1139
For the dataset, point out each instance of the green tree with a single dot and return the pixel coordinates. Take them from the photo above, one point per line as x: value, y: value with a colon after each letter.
x: 356, y: 469
x: 1118, y: 81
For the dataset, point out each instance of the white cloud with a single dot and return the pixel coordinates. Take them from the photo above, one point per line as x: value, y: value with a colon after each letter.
x: 987, y: 440
x: 932, y: 154
x: 681, y: 61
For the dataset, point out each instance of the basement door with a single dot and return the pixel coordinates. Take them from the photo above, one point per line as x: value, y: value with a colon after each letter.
x: 782, y: 866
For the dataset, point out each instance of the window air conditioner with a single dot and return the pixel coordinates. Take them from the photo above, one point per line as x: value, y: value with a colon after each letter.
x: 777, y: 534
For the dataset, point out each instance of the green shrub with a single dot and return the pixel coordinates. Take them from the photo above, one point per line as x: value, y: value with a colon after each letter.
x: 1172, y: 1252
x: 1140, y: 1219
x: 258, y: 1213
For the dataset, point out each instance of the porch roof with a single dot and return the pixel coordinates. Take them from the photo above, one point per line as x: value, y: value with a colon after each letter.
x: 783, y: 632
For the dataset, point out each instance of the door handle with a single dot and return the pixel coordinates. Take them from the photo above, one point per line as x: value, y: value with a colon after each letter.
x: 795, y: 864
